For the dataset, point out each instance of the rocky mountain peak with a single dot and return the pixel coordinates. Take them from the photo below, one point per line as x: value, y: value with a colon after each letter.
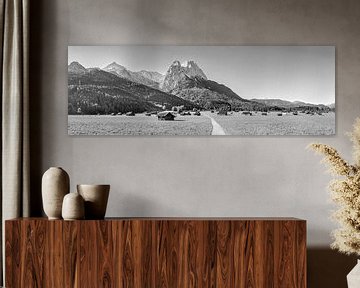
x: 114, y: 66
x: 189, y: 64
x: 76, y: 67
x: 118, y: 70
x: 176, y: 63
x: 178, y: 72
x: 193, y: 70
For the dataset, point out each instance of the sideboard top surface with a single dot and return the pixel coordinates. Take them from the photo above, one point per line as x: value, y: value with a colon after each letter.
x: 174, y: 219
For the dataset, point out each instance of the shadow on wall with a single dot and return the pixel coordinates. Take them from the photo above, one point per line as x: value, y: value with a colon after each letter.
x: 328, y: 268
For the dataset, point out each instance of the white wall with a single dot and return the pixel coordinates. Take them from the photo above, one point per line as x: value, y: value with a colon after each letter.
x: 196, y: 176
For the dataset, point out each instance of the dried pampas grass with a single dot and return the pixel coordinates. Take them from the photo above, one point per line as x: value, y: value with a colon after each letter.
x: 345, y: 192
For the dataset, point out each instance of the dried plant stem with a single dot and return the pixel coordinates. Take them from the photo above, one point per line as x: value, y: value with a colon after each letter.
x: 345, y: 192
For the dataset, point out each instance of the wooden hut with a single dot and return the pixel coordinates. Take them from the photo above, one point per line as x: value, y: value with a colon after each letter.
x: 166, y: 115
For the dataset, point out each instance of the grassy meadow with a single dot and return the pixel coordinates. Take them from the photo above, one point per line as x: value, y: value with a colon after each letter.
x: 272, y: 124
x: 137, y: 125
x: 234, y: 124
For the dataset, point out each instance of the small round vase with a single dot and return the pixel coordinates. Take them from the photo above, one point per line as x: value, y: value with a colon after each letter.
x: 73, y: 207
x: 55, y: 185
x: 96, y: 198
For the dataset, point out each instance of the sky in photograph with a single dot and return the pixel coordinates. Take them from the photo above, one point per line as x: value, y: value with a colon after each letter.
x: 294, y: 73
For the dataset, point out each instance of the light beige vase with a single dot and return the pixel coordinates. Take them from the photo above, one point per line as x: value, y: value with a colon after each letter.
x: 96, y: 198
x: 55, y: 185
x: 353, y: 278
x: 73, y: 207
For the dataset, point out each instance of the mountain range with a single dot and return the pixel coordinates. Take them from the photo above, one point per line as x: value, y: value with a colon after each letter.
x: 114, y: 88
x: 96, y: 91
x: 288, y: 104
x: 149, y: 78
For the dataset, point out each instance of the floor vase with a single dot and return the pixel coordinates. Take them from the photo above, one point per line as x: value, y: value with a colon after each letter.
x: 353, y: 278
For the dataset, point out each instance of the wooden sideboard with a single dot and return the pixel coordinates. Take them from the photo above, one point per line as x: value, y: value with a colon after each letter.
x: 156, y: 252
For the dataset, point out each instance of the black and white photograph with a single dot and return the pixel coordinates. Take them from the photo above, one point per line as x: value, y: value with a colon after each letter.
x: 201, y: 90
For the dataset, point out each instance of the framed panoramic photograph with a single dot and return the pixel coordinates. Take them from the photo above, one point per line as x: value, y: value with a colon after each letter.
x: 201, y: 90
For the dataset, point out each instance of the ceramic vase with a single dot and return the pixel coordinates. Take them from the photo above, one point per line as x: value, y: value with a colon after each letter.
x: 353, y: 278
x: 55, y: 185
x: 96, y: 198
x: 73, y: 207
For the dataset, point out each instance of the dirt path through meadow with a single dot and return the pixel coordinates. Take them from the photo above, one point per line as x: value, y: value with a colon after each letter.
x: 217, y: 129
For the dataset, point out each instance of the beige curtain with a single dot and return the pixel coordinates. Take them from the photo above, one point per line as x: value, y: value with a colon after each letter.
x: 14, y: 25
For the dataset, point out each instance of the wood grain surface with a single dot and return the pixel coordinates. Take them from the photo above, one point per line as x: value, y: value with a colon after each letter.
x: 159, y: 252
